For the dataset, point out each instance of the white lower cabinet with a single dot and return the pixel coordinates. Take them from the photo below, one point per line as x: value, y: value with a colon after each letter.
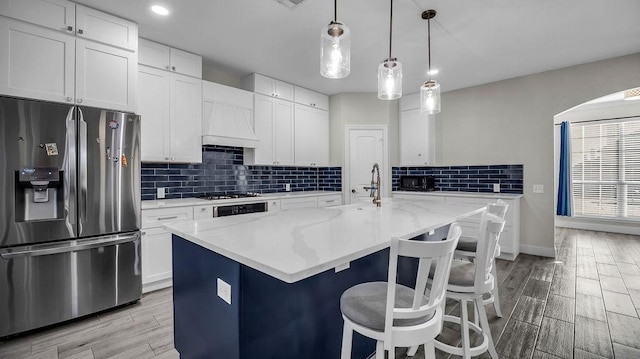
x: 156, y: 245
x: 273, y: 205
x: 509, y: 238
x: 328, y: 201
x: 297, y: 203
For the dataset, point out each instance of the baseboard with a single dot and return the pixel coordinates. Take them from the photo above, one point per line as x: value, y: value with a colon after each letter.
x: 537, y: 250
x: 150, y: 287
x: 602, y: 226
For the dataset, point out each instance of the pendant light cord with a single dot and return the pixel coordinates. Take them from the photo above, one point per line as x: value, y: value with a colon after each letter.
x: 429, y: 45
x: 390, y: 27
x: 335, y: 10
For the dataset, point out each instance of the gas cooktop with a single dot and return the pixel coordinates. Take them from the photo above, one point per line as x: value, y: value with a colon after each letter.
x: 216, y: 196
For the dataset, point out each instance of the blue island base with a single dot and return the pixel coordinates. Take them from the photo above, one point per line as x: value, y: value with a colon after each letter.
x: 267, y: 318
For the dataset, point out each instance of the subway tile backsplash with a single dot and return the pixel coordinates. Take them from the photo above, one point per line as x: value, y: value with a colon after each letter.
x: 467, y: 178
x: 222, y: 170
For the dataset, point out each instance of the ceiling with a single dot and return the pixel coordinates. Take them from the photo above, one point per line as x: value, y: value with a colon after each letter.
x: 472, y: 42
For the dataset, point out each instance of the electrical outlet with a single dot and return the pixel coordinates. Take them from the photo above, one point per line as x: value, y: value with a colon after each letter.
x: 538, y: 188
x: 287, y: 187
x: 496, y: 187
x: 224, y: 290
x: 160, y: 193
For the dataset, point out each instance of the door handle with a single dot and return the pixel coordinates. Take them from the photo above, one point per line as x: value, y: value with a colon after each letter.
x: 82, y: 175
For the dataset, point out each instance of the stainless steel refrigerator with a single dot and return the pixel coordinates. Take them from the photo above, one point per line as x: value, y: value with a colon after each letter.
x: 69, y: 212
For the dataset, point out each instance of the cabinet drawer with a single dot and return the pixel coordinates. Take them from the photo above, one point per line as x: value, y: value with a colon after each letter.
x: 295, y: 203
x: 418, y: 197
x: 203, y: 212
x: 328, y: 201
x: 153, y: 218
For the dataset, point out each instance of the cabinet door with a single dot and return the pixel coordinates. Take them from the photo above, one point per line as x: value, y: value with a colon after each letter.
x: 99, y: 26
x: 153, y: 54
x: 186, y: 119
x: 283, y: 131
x: 273, y: 205
x: 156, y: 255
x: 329, y: 201
x: 55, y: 14
x: 417, y: 145
x: 105, y: 76
x: 283, y: 90
x: 186, y: 63
x: 310, y: 98
x: 311, y: 136
x: 153, y: 108
x: 36, y: 62
x: 264, y: 111
x: 203, y: 212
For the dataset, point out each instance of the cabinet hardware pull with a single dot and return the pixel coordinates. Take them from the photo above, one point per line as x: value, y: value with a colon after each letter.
x: 173, y: 68
x: 166, y: 158
x: 80, y: 31
x: 165, y: 218
x: 144, y: 233
x: 330, y: 201
x: 69, y: 28
x: 79, y: 100
x: 69, y: 99
x: 168, y: 67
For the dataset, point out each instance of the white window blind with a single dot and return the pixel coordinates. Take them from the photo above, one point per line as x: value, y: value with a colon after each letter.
x: 605, y: 173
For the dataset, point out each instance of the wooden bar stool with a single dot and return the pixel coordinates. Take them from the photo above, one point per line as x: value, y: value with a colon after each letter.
x: 468, y: 282
x: 467, y: 247
x: 396, y: 315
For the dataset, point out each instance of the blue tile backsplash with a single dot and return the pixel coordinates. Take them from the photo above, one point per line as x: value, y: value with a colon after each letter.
x: 467, y: 178
x: 222, y: 170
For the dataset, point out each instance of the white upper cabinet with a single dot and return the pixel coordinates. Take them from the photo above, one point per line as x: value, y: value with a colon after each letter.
x: 268, y: 86
x: 55, y: 14
x: 167, y: 58
x: 274, y: 131
x: 105, y: 76
x: 417, y: 131
x: 23, y: 73
x: 170, y: 107
x: 311, y: 136
x: 154, y: 87
x: 310, y: 98
x: 73, y: 54
x: 101, y: 27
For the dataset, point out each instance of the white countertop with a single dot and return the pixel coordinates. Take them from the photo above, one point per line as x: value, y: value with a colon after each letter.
x: 296, y: 244
x: 185, y: 202
x: 463, y: 194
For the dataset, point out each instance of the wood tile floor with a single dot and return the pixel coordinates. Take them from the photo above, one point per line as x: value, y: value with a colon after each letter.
x: 583, y: 305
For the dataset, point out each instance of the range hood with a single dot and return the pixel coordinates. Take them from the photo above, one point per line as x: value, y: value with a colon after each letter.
x: 228, y: 116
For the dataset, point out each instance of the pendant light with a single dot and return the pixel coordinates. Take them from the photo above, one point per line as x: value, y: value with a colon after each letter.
x: 430, y: 90
x: 335, y: 51
x: 390, y: 71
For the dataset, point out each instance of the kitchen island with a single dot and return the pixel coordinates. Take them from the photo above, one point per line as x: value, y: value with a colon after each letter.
x: 268, y: 284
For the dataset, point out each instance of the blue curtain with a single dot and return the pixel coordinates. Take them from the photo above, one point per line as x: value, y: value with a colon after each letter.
x: 564, y: 184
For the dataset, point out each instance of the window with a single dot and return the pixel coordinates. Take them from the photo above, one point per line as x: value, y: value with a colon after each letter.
x: 605, y: 174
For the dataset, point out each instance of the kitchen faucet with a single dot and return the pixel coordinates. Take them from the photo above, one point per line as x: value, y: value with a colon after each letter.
x: 375, y: 186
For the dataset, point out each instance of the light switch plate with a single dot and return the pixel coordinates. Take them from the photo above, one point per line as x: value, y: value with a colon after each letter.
x: 160, y: 193
x: 224, y: 290
x: 538, y: 188
x: 496, y: 187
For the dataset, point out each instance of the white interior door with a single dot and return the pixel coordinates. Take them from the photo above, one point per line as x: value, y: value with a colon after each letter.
x: 366, y: 146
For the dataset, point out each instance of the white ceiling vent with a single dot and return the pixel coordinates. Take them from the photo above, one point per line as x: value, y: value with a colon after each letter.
x: 289, y: 3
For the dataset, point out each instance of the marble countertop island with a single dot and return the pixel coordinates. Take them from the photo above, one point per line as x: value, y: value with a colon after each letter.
x: 296, y: 244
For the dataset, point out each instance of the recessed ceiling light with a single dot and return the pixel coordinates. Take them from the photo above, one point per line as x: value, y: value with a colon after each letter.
x: 432, y: 72
x: 160, y: 10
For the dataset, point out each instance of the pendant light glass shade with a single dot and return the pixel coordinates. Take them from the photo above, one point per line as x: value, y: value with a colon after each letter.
x: 335, y: 53
x: 390, y: 79
x: 430, y: 97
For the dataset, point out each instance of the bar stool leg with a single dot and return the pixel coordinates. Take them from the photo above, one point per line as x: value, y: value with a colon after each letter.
x: 347, y: 338
x: 429, y: 350
x: 485, y: 326
x: 380, y: 350
x: 466, y: 343
x: 413, y: 350
x: 496, y: 295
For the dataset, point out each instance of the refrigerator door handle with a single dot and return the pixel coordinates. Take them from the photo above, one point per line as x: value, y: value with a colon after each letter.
x: 82, y: 171
x: 67, y: 246
x: 70, y: 172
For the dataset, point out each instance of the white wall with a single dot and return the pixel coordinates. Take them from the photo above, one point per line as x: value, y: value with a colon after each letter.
x: 358, y: 109
x: 512, y: 122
